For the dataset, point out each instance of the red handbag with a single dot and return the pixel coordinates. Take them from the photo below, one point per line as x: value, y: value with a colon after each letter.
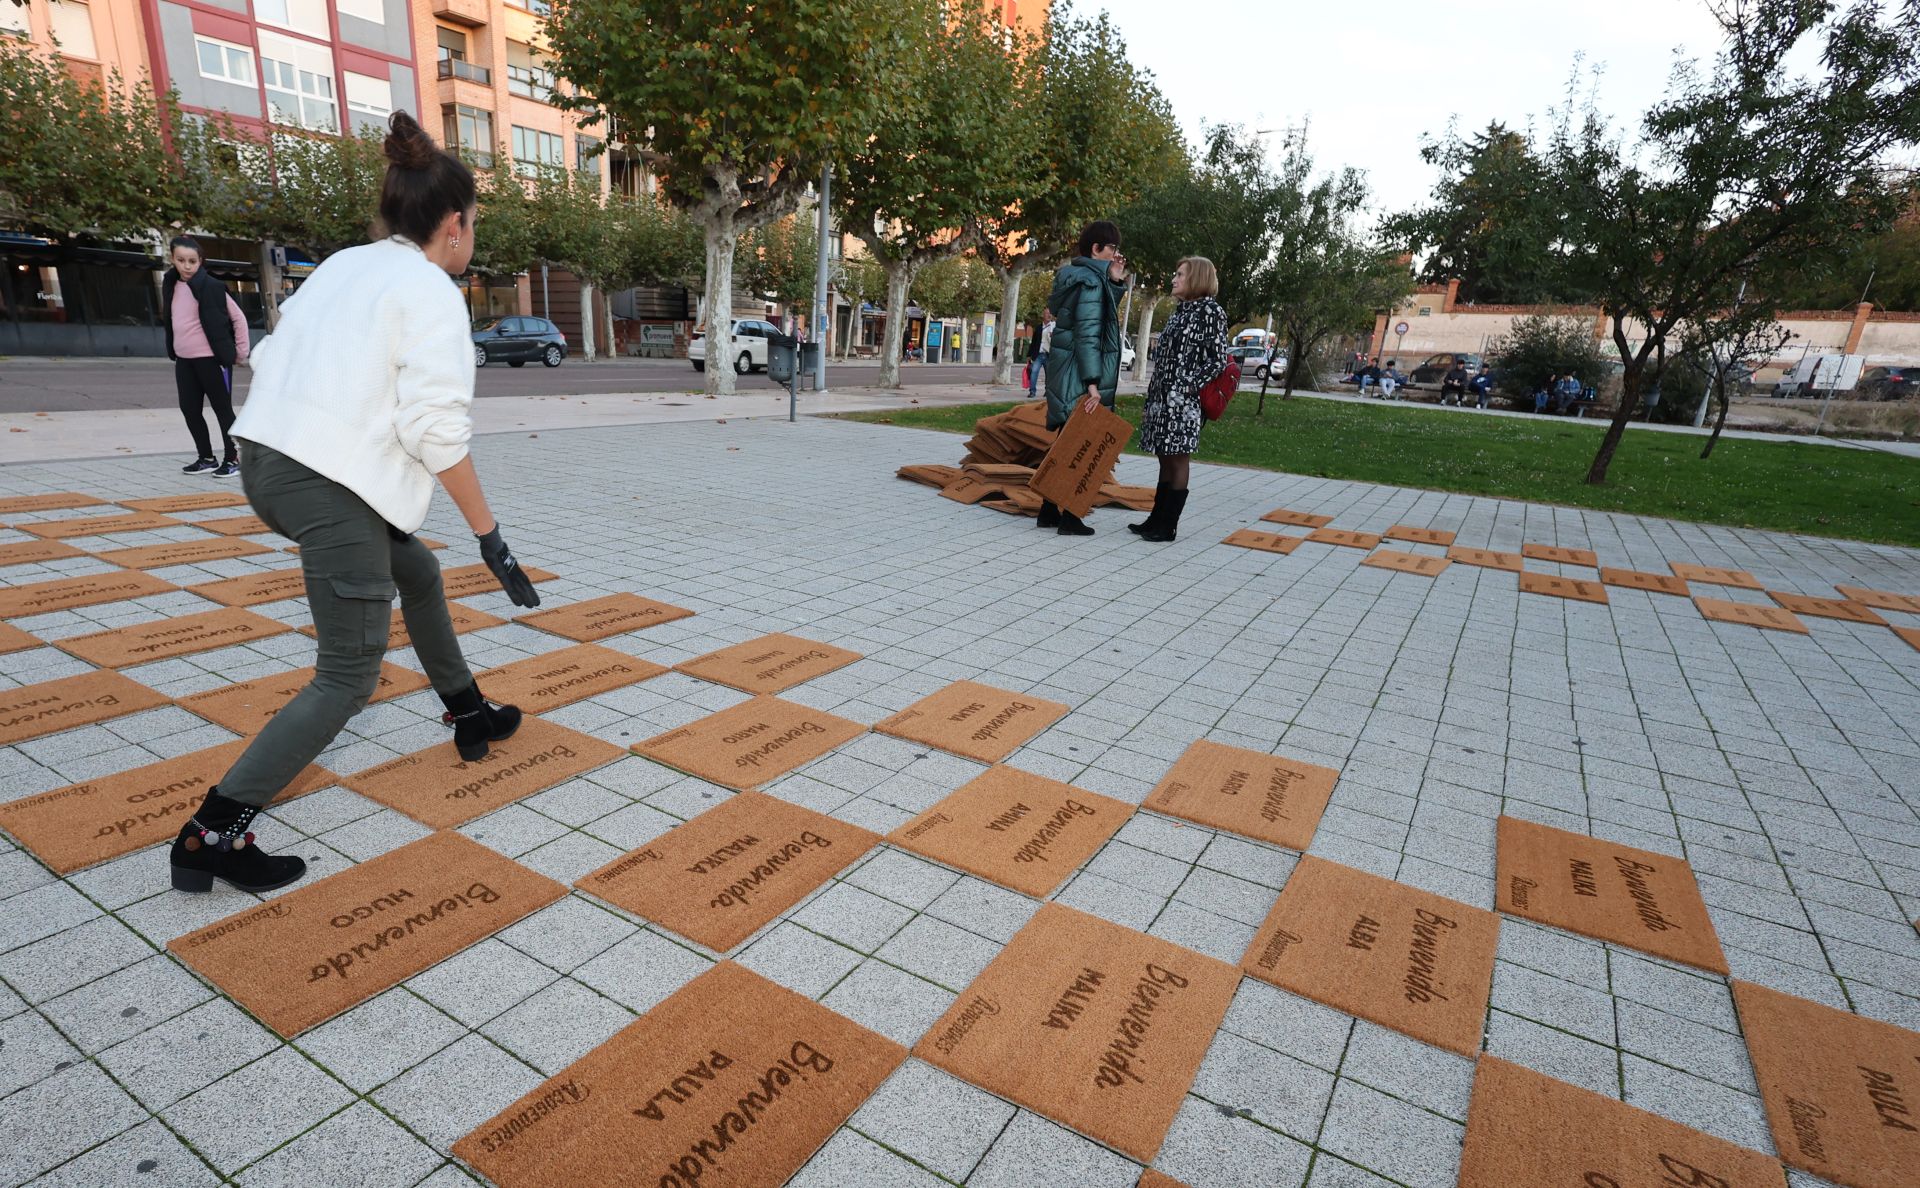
x: 1219, y: 390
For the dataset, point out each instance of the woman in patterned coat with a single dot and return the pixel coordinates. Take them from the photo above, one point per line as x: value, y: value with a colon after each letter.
x: 1191, y: 351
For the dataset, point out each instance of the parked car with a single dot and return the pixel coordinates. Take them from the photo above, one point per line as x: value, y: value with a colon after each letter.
x: 1253, y: 361
x: 1889, y: 383
x: 1429, y: 373
x: 1126, y: 354
x: 746, y: 346
x: 518, y: 341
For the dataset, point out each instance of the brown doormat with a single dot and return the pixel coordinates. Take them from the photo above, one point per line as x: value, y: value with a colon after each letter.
x: 1713, y: 575
x: 256, y: 588
x: 100, y: 525
x: 438, y: 788
x: 1019, y: 435
x: 1345, y: 538
x: 1082, y: 458
x: 929, y: 475
x: 770, y: 664
x: 40, y: 598
x: 1772, y: 617
x: 1910, y: 634
x: 1540, y: 552
x: 730, y: 871
x: 34, y: 552
x: 1009, y: 507
x: 1842, y: 1091
x: 975, y: 720
x: 1398, y: 956
x: 79, y: 825
x: 1604, y: 890
x: 967, y: 489
x: 314, y: 952
x: 1266, y: 542
x: 752, y: 743
x: 52, y: 706
x: 1881, y: 599
x: 1578, y: 589
x: 1827, y: 608
x: 1268, y: 797
x: 1093, y: 1025
x: 599, y: 618
x: 464, y: 618
x: 1420, y: 563
x: 192, y: 552
x: 553, y: 679
x: 1639, y: 579
x: 1282, y: 515
x: 204, y: 501
x: 1432, y: 536
x: 1132, y: 498
x: 58, y: 501
x: 732, y: 1082
x: 1526, y: 1129
x: 1153, y: 1179
x: 1487, y: 558
x: 1015, y: 828
x: 478, y: 579
x: 236, y: 526
x: 163, y: 639
x: 12, y: 640
x: 247, y: 708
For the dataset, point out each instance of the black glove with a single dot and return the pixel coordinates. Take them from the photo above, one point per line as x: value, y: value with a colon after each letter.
x: 506, y: 570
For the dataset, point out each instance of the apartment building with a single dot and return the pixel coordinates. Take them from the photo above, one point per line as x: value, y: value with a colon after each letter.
x: 96, y: 40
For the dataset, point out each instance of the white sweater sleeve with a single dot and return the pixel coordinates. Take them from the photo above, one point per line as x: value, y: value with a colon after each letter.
x: 434, y: 391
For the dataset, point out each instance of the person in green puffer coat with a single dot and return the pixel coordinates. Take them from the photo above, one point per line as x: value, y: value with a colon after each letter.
x: 1083, y: 362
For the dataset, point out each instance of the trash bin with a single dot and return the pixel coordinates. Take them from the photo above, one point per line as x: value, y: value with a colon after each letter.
x: 809, y: 360
x: 781, y: 357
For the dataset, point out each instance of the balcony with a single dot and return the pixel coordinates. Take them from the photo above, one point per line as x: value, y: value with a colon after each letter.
x: 472, y: 13
x: 455, y: 68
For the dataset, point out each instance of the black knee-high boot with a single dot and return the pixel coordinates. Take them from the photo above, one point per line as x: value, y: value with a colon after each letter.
x: 477, y: 722
x: 1176, y: 502
x: 1153, y: 517
x: 217, y: 844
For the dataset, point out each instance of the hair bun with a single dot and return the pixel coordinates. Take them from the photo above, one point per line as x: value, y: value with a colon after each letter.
x: 408, y: 145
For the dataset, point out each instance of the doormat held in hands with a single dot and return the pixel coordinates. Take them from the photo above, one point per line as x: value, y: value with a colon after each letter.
x: 1604, y: 890
x: 553, y: 679
x: 1524, y: 1128
x: 770, y: 664
x: 974, y: 720
x: 598, y: 618
x: 730, y: 871
x: 1344, y: 538
x: 464, y: 618
x: 36, y: 552
x: 201, y: 501
x: 1093, y: 1025
x: 1419, y: 563
x: 256, y: 588
x: 1082, y: 458
x: 437, y: 787
x: 732, y: 1082
x: 52, y: 706
x: 1266, y: 542
x: 1282, y: 515
x: 236, y: 526
x: 58, y: 594
x: 1840, y: 1089
x: 1540, y: 552
x: 1773, y: 618
x: 163, y: 639
x: 752, y: 743
x: 478, y: 579
x: 192, y: 552
x: 1713, y: 575
x: 82, y: 824
x: 1487, y: 558
x: 1432, y: 536
x: 1269, y: 798
x: 99, y: 525
x: 1577, y: 589
x: 1637, y: 579
x: 314, y: 952
x: 1015, y: 828
x: 20, y: 505
x: 247, y: 708
x: 1827, y: 608
x: 1407, y: 959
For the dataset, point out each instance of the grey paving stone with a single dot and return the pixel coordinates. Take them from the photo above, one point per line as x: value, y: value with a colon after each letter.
x: 858, y: 919
x: 1544, y: 999
x: 1209, y: 1148
x: 890, y: 1001
x: 1392, y: 1137
x: 1115, y: 902
x: 1559, y: 1054
x: 288, y: 1092
x: 1428, y: 1077
x: 802, y: 961
x: 1277, y: 1091
x: 359, y: 1145
x: 30, y: 1051
x: 456, y: 1090
x: 942, y: 953
x: 74, y: 1109
x: 565, y: 934
x: 938, y: 1120
x: 380, y: 1039
x: 984, y: 908
x: 1332, y: 1172
x: 1691, y: 1101
x: 481, y: 982
x: 849, y: 1158
x: 642, y: 970
x: 146, y: 1155
x: 189, y: 1053
x: 905, y: 879
x: 1681, y: 1043
x: 40, y: 912
x: 51, y: 967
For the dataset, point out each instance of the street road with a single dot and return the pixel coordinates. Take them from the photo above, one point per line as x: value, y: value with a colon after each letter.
x: 75, y: 385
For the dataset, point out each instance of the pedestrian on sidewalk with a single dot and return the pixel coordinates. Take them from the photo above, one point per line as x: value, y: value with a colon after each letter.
x: 206, y: 338
x: 1192, y: 350
x: 1042, y: 343
x: 1086, y: 341
x: 360, y: 401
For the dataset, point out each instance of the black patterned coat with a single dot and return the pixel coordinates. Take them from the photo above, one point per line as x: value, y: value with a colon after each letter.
x: 1191, y: 351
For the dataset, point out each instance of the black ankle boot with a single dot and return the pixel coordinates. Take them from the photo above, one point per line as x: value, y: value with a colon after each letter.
x: 217, y: 845
x: 477, y: 722
x: 1049, y: 516
x: 1152, y: 521
x: 1163, y: 532
x: 1072, y: 525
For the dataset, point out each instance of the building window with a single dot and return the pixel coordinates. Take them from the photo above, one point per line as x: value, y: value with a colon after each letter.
x: 299, y: 81
x: 13, y: 18
x: 224, y: 62
x: 373, y: 11
x: 302, y: 16
x: 369, y: 95
x: 453, y: 58
x: 469, y: 130
x: 534, y: 150
x: 529, y: 74
x: 586, y: 158
x: 536, y: 7
x: 72, y: 27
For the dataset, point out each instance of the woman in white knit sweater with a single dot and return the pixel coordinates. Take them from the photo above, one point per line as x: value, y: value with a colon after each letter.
x: 359, y: 403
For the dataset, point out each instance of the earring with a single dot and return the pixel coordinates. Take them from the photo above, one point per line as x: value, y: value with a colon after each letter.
x: 453, y: 241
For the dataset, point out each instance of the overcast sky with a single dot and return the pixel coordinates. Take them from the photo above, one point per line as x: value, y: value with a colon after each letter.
x: 1374, y: 77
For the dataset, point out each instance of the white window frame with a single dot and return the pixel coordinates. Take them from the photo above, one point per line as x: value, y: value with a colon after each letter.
x: 92, y: 51
x: 227, y: 50
x: 371, y: 11
x: 305, y: 57
x: 303, y: 16
x: 358, y: 84
x: 13, y: 19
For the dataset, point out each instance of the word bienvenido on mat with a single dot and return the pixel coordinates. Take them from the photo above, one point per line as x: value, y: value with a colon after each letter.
x: 401, y: 929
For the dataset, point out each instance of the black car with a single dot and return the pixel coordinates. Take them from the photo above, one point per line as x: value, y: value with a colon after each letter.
x: 1435, y: 368
x: 517, y: 341
x: 1889, y: 383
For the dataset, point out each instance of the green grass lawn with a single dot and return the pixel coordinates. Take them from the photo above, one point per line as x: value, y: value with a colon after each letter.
x: 1778, y: 485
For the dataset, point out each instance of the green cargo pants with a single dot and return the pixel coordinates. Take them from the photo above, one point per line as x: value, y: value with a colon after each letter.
x: 353, y: 566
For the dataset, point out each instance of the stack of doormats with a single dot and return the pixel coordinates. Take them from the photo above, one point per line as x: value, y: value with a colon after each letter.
x: 999, y: 466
